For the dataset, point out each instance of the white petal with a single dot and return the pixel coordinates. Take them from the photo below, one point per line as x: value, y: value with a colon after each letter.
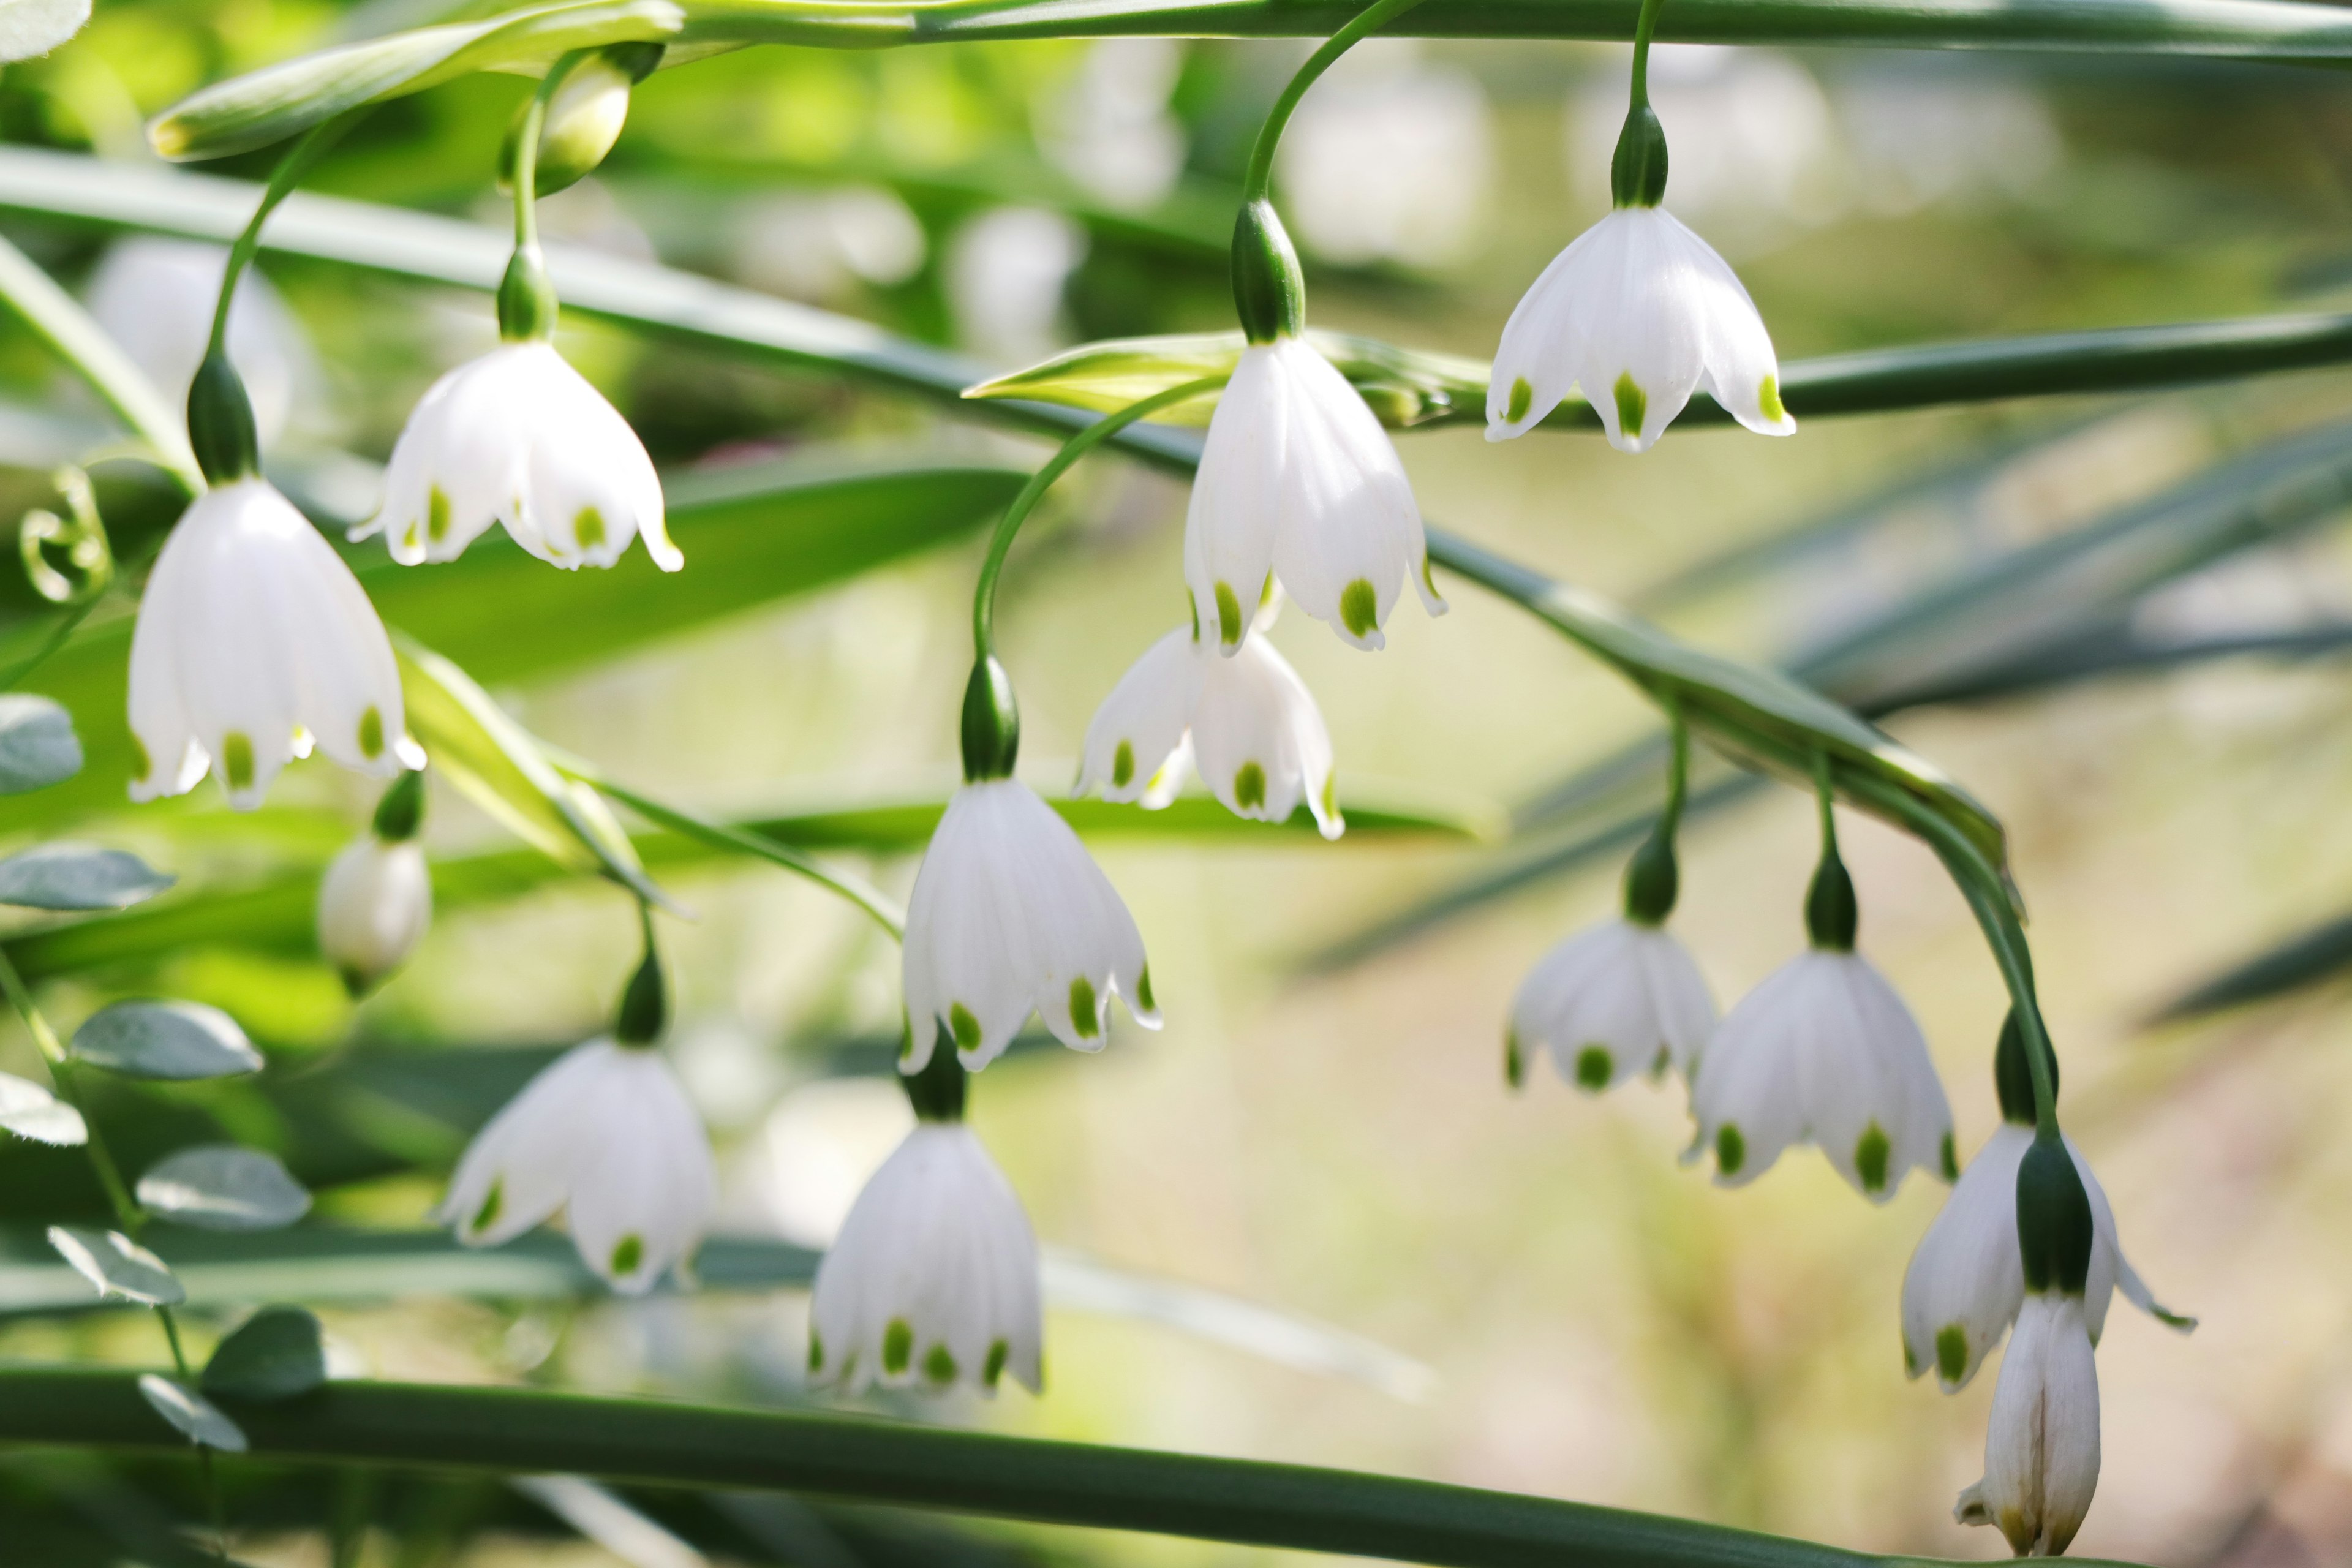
x: 520, y: 1167
x: 641, y: 1199
x: 1259, y: 740
x: 1143, y: 721
x: 1229, y: 526
x: 1966, y: 1280
x: 2042, y: 1441
x: 375, y: 904
x: 1613, y: 1001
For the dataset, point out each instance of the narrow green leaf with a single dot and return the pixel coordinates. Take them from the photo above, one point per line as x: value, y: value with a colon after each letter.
x: 191, y: 1414
x: 166, y: 1040
x: 222, y: 1186
x: 31, y: 1111
x: 78, y: 877
x: 37, y: 747
x: 117, y: 1265
x: 2309, y: 957
x: 276, y: 1353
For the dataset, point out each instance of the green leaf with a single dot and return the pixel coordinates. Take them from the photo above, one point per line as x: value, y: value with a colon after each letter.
x: 278, y: 102
x: 31, y: 1111
x: 117, y: 1265
x: 166, y: 1040
x: 78, y: 877
x: 37, y: 747
x: 191, y: 1414
x: 222, y: 1187
x: 276, y: 1353
x: 2309, y: 957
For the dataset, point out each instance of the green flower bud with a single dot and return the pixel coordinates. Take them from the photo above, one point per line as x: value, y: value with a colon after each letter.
x: 2054, y: 1229
x: 992, y: 723
x: 645, y: 1005
x: 1652, y: 880
x: 401, y: 812
x: 584, y: 118
x: 220, y: 422
x: 1269, y: 291
x: 1832, y: 913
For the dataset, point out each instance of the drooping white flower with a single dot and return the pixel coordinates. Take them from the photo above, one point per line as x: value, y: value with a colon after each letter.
x: 1298, y: 480
x: 1248, y: 724
x: 519, y: 438
x: 375, y: 904
x: 254, y: 640
x: 1620, y: 998
x: 1822, y: 1052
x: 2041, y: 1444
x: 606, y: 1134
x: 934, y: 1277
x: 1009, y: 916
x: 1967, y: 1280
x: 1636, y: 313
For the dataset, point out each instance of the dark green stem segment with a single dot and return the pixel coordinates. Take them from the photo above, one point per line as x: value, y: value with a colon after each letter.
x: 645, y: 1001
x: 527, y: 307
x: 1832, y: 913
x: 2012, y: 1074
x: 1653, y: 879
x: 1637, y: 171
x: 940, y: 1090
x: 991, y: 721
x: 401, y: 813
x: 2054, y: 1219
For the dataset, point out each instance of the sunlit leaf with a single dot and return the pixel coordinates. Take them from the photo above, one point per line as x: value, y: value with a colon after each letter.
x: 192, y: 1414
x: 222, y: 1187
x: 276, y: 1353
x: 31, y: 1111
x: 37, y: 747
x: 78, y: 877
x: 117, y: 1265
x: 166, y: 1040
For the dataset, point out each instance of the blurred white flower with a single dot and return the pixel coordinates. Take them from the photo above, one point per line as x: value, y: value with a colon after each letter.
x: 1822, y: 1052
x: 1388, y: 159
x: 822, y: 246
x: 1011, y: 915
x: 155, y: 296
x: 816, y: 1150
x: 2041, y: 1444
x: 1005, y: 272
x: 253, y: 641
x: 606, y: 1134
x: 1620, y: 998
x: 934, y: 1279
x: 1110, y: 129
x: 1915, y: 137
x: 375, y: 904
x: 1248, y: 723
x: 1298, y: 480
x: 1637, y: 312
x: 519, y: 438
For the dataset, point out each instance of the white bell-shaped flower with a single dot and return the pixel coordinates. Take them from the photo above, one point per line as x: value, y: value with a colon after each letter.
x: 254, y: 640
x: 2041, y: 1444
x: 934, y: 1279
x: 1636, y: 313
x: 1248, y: 724
x: 1822, y: 1052
x: 519, y: 438
x: 1009, y: 916
x: 606, y: 1135
x: 375, y: 905
x: 1620, y: 998
x: 1967, y: 1280
x: 1299, y: 480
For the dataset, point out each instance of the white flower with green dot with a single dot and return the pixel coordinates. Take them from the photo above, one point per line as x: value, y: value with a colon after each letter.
x: 605, y: 1133
x: 254, y: 642
x: 1248, y: 724
x: 375, y: 902
x: 1967, y: 1280
x: 933, y: 1281
x: 1637, y: 313
x: 1824, y: 1052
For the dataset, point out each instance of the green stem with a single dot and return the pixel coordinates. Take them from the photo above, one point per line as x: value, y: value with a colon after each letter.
x: 290, y: 169
x: 1643, y: 25
x: 983, y: 598
x: 1259, y: 175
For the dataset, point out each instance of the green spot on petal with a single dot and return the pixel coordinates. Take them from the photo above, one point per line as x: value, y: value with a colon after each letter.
x: 965, y: 1027
x: 1230, y: 625
x: 236, y: 760
x: 1330, y: 800
x: 436, y: 516
x: 487, y: 1215
x: 1515, y: 1066
x: 1143, y: 991
x: 142, y: 764
x: 1193, y: 604
x: 1951, y: 1352
x: 1122, y: 765
x: 1767, y: 399
x: 1910, y: 1361
x: 627, y: 1252
x: 1249, y: 786
x: 940, y: 1366
x: 1950, y: 1158
x: 1523, y: 397
x: 1869, y: 1154
x: 897, y: 1346
x: 372, y: 734
x: 998, y: 1354
x: 588, y: 528
x: 1632, y: 405
x: 816, y: 1352
x: 1360, y: 607
x: 1730, y: 1149
x: 1594, y: 1067
x: 1083, y: 1021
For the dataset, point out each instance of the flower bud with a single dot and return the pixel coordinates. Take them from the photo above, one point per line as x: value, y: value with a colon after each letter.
x: 374, y: 906
x: 1653, y: 879
x: 584, y: 120
x: 1269, y: 291
x: 992, y: 723
x: 2042, y: 1442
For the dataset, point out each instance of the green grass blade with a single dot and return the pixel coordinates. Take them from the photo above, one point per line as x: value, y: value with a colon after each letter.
x: 2310, y: 957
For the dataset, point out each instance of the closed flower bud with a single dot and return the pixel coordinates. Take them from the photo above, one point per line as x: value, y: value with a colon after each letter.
x: 375, y: 904
x: 2041, y: 1443
x: 584, y: 117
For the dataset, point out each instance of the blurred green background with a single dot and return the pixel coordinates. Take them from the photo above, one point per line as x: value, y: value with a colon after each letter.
x: 1329, y: 1134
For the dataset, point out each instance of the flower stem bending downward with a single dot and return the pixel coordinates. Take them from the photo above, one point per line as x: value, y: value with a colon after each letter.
x: 526, y: 299
x: 1260, y: 174
x: 1637, y: 171
x: 297, y: 163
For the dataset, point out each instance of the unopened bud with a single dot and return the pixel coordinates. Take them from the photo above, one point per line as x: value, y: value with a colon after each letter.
x: 375, y: 904
x: 1653, y: 879
x: 584, y: 118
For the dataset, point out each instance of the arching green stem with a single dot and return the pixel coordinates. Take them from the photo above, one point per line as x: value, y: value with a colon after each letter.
x: 526, y: 299
x: 1643, y: 27
x: 1260, y: 174
x: 984, y: 598
x: 290, y: 169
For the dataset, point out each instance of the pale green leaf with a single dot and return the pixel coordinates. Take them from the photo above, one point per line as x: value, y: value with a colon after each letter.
x: 222, y: 1187
x: 37, y: 747
x: 175, y: 1040
x: 31, y: 1111
x: 276, y: 1353
x: 192, y: 1414
x: 78, y: 877
x: 117, y: 1265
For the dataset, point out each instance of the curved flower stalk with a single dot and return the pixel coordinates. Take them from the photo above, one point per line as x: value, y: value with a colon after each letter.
x: 1637, y: 313
x: 933, y: 1281
x: 606, y: 1135
x: 1248, y: 725
x: 1824, y: 1052
x: 1967, y: 1280
x: 519, y: 438
x: 375, y: 902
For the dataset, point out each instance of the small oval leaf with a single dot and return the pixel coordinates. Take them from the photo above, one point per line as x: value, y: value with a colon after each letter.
x: 278, y: 1353
x: 78, y: 877
x: 31, y: 1111
x: 192, y: 1414
x: 37, y: 745
x: 167, y: 1040
x: 220, y: 1186
x: 118, y: 1265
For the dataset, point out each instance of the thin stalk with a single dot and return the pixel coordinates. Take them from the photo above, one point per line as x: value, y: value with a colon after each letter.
x: 1259, y: 176
x: 983, y: 598
x: 290, y: 169
x: 526, y: 163
x: 1643, y: 25
x: 1670, y: 820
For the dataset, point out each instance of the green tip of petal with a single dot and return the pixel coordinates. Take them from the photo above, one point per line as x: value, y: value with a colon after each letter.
x: 1767, y: 399
x: 1360, y: 607
x: 487, y: 1215
x: 816, y: 1352
x: 1730, y: 1149
x: 940, y: 1366
x: 1122, y: 765
x: 1951, y: 1352
x: 1230, y: 625
x: 1083, y: 1020
x: 965, y: 1027
x: 627, y: 1252
x: 897, y: 1346
x: 1523, y: 397
x: 588, y: 528
x: 1871, y: 1153
x: 236, y: 760
x: 1594, y: 1068
x: 372, y: 734
x: 1632, y: 405
x: 999, y: 1353
x: 1249, y: 787
x: 1515, y: 1065
x: 1143, y: 990
x: 436, y: 516
x: 1948, y: 1158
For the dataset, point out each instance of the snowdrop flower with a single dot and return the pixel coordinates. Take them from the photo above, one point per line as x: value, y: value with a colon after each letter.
x: 1967, y: 1280
x: 1248, y: 724
x: 1824, y: 1052
x: 1620, y: 998
x: 375, y: 902
x: 934, y: 1279
x: 255, y: 641
x: 606, y: 1134
x: 519, y: 438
